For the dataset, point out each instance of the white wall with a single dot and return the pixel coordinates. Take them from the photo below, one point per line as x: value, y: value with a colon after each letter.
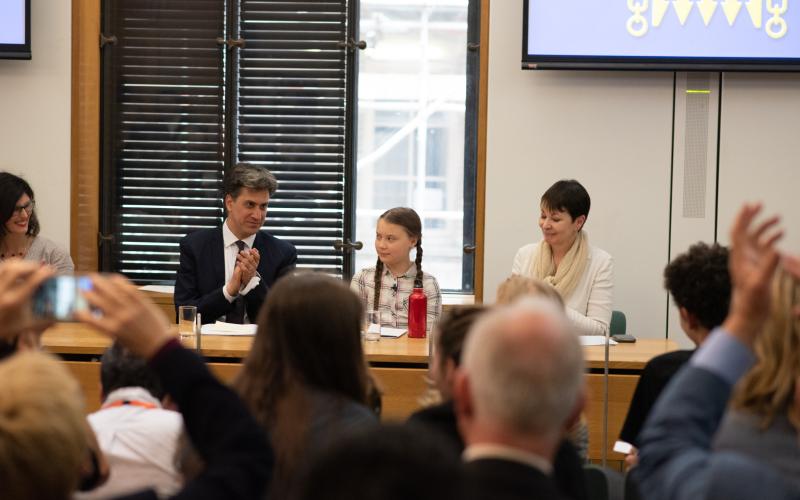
x: 611, y: 131
x: 35, y: 116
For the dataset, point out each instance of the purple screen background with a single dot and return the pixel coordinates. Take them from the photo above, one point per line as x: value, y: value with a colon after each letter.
x: 12, y: 21
x: 598, y: 28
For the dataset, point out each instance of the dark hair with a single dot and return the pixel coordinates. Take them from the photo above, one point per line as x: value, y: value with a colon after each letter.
x: 246, y: 175
x: 452, y: 331
x: 119, y: 368
x: 393, y: 462
x: 410, y: 221
x: 308, y: 339
x: 567, y: 195
x: 699, y: 282
x: 11, y: 190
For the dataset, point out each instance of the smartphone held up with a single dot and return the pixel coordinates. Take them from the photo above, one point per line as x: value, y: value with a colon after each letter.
x: 60, y: 297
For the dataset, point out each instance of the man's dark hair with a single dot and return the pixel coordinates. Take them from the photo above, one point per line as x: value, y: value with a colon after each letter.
x: 386, y: 463
x: 119, y: 368
x: 567, y: 195
x: 12, y: 188
x: 453, y: 329
x: 247, y: 175
x: 699, y: 282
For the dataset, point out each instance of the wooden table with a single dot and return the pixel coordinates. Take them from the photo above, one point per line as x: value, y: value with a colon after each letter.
x: 399, y: 365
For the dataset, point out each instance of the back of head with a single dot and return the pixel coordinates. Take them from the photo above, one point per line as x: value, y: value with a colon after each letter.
x: 42, y: 440
x: 568, y: 195
x: 452, y: 330
x: 247, y: 175
x: 309, y: 333
x: 386, y: 463
x: 12, y: 188
x: 698, y: 281
x: 769, y: 388
x: 525, y: 368
x: 119, y: 368
x: 516, y: 287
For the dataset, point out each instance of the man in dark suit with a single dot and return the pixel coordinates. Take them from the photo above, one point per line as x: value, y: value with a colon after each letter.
x: 676, y: 459
x: 519, y: 388
x: 228, y: 271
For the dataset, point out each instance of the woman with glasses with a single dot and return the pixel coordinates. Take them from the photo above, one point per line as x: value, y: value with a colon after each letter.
x: 19, y: 233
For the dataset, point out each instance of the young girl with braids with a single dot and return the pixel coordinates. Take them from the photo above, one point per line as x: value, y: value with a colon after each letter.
x: 387, y: 286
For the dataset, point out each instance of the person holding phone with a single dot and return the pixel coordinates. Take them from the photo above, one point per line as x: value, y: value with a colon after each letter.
x: 582, y: 274
x: 387, y: 286
x: 19, y: 233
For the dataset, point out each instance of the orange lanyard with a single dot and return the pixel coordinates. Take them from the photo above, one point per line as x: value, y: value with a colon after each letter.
x: 124, y: 402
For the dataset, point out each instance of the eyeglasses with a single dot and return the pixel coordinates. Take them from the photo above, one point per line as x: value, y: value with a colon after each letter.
x: 28, y: 207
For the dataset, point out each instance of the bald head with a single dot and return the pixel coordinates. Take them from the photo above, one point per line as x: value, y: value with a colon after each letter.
x: 525, y: 367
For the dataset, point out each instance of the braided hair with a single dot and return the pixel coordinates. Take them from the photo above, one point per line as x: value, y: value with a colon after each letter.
x: 410, y: 221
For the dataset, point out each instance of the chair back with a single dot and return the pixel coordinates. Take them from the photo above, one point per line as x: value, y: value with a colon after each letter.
x: 603, y: 483
x: 619, y: 325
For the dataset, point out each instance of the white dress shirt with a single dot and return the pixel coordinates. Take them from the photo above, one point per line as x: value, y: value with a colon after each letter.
x: 230, y: 251
x: 139, y: 443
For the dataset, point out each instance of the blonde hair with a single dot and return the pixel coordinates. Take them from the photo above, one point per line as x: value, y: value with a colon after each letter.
x: 768, y: 389
x: 516, y: 287
x: 42, y: 436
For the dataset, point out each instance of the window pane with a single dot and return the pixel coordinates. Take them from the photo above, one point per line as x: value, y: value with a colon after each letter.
x: 411, y: 115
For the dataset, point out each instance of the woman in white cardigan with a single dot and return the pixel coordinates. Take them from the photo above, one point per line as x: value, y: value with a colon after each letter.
x: 581, y: 273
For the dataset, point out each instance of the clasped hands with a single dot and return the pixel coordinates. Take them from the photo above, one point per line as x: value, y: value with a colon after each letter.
x: 244, y: 270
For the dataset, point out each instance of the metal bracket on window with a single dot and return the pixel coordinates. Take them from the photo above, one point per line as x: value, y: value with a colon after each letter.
x: 351, y: 45
x: 473, y: 47
x: 469, y: 249
x: 107, y: 40
x: 238, y: 43
x: 103, y: 238
x: 347, y: 246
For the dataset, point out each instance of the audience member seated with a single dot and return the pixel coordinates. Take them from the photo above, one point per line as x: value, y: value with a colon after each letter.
x: 581, y: 273
x: 700, y: 286
x: 19, y: 234
x: 764, y: 417
x: 451, y: 333
x: 42, y: 428
x: 520, y: 386
x: 305, y: 378
x: 676, y: 457
x: 386, y: 463
x: 136, y: 434
x: 514, y: 288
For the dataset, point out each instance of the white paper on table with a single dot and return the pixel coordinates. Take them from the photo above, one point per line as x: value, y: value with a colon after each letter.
x: 587, y: 340
x: 222, y: 328
x: 158, y: 289
x: 392, y: 332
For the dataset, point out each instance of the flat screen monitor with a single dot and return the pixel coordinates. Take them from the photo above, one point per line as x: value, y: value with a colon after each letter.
x: 675, y: 35
x: 15, y: 29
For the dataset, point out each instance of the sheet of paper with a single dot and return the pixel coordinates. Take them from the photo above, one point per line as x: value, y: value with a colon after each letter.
x: 587, y: 340
x: 392, y: 332
x: 222, y: 328
x: 158, y: 288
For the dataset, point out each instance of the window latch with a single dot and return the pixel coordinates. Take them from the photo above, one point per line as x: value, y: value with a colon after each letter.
x: 231, y: 43
x: 351, y: 45
x: 107, y: 40
x: 347, y: 246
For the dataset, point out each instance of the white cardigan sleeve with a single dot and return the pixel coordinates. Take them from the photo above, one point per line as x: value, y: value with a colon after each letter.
x: 598, y: 308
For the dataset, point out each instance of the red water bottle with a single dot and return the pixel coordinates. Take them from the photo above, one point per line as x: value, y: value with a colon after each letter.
x: 417, y: 313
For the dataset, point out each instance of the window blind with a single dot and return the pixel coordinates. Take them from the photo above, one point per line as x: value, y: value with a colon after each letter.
x: 291, y: 118
x: 180, y: 106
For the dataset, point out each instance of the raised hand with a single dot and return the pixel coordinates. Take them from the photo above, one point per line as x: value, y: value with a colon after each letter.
x: 126, y: 315
x: 752, y: 263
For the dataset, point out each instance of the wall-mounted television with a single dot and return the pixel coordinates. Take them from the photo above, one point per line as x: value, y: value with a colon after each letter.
x: 15, y: 29
x: 675, y: 35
